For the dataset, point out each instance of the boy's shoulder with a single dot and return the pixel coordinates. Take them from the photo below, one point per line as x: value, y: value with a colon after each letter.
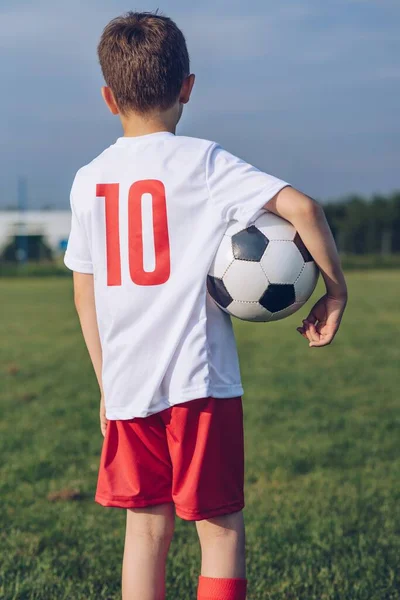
x: 195, y: 142
x: 188, y: 144
x: 93, y: 167
x: 188, y: 148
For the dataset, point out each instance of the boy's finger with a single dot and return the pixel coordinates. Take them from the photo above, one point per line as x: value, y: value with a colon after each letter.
x: 315, y: 336
x: 323, y: 341
x: 307, y: 331
x: 301, y: 332
x: 311, y: 318
x: 308, y: 325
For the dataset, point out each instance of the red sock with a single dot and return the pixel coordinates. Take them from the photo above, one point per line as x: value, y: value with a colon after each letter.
x: 211, y: 588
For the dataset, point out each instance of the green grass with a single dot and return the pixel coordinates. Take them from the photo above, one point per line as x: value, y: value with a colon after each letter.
x: 322, y: 431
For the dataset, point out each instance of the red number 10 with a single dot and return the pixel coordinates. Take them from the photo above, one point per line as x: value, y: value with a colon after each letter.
x: 161, y: 272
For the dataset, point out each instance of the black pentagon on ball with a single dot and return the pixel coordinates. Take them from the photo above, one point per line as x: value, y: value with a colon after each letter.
x: 303, y: 250
x: 249, y: 244
x: 217, y: 290
x: 278, y: 296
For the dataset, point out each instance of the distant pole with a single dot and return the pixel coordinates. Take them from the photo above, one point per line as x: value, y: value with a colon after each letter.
x: 22, y: 240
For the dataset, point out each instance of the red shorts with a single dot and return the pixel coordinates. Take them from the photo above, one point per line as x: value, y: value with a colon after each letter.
x: 190, y: 454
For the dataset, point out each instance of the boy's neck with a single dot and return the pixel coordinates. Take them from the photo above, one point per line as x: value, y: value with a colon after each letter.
x: 135, y: 125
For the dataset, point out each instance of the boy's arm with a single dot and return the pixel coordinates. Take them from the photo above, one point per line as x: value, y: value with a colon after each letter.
x: 86, y: 309
x: 308, y: 218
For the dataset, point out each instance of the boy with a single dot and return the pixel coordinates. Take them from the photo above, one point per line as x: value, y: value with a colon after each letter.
x: 148, y: 215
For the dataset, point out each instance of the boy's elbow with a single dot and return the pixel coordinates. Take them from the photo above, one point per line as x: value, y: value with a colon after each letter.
x: 81, y: 298
x: 83, y: 305
x: 291, y: 204
x: 78, y: 301
x: 311, y: 207
x: 83, y: 290
x: 305, y: 209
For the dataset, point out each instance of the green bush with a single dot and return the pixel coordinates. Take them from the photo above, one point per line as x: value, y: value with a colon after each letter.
x: 34, y: 269
x: 350, y: 262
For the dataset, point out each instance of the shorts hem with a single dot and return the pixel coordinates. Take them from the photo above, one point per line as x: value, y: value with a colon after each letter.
x: 127, y: 502
x: 194, y: 515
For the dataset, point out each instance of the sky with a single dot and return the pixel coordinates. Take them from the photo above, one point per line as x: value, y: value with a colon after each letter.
x: 308, y: 91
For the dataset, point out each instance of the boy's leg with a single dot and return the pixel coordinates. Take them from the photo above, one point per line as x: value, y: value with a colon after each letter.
x: 148, y: 536
x: 206, y: 445
x: 223, y: 558
x: 222, y: 541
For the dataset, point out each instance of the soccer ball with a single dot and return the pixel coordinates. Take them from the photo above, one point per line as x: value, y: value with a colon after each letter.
x: 263, y: 272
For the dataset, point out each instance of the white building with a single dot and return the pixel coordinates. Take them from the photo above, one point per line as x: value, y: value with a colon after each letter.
x: 54, y: 225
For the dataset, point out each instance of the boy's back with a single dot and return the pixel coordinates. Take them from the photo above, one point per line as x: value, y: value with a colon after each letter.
x: 148, y: 216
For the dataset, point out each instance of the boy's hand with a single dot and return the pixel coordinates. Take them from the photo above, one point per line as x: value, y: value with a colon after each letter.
x: 321, y: 325
x: 103, y: 420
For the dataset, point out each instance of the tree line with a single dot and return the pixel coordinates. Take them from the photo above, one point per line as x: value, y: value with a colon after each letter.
x: 366, y: 226
x: 363, y: 225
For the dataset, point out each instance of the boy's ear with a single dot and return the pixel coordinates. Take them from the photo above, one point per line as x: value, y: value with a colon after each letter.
x: 109, y: 99
x: 186, y: 89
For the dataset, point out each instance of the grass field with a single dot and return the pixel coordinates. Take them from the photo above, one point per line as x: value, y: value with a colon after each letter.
x: 322, y: 433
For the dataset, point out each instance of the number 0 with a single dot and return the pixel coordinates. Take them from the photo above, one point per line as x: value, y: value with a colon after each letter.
x: 162, y: 269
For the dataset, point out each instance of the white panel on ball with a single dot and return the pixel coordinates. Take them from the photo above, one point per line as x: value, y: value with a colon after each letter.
x: 282, y: 314
x: 249, y: 311
x: 282, y: 262
x: 245, y: 280
x: 305, y: 284
x: 223, y: 258
x: 234, y: 227
x: 274, y: 227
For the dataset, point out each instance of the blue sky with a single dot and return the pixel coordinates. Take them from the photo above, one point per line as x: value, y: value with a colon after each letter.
x: 306, y: 90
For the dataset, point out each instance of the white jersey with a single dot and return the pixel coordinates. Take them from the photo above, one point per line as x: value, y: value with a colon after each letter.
x: 148, y: 215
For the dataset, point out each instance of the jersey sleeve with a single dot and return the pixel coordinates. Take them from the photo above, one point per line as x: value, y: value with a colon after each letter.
x: 237, y: 189
x: 77, y: 256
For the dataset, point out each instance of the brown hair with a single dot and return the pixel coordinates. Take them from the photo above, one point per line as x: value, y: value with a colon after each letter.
x: 144, y: 60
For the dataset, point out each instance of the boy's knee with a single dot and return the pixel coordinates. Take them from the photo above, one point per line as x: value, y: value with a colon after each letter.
x: 156, y: 524
x: 228, y: 527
